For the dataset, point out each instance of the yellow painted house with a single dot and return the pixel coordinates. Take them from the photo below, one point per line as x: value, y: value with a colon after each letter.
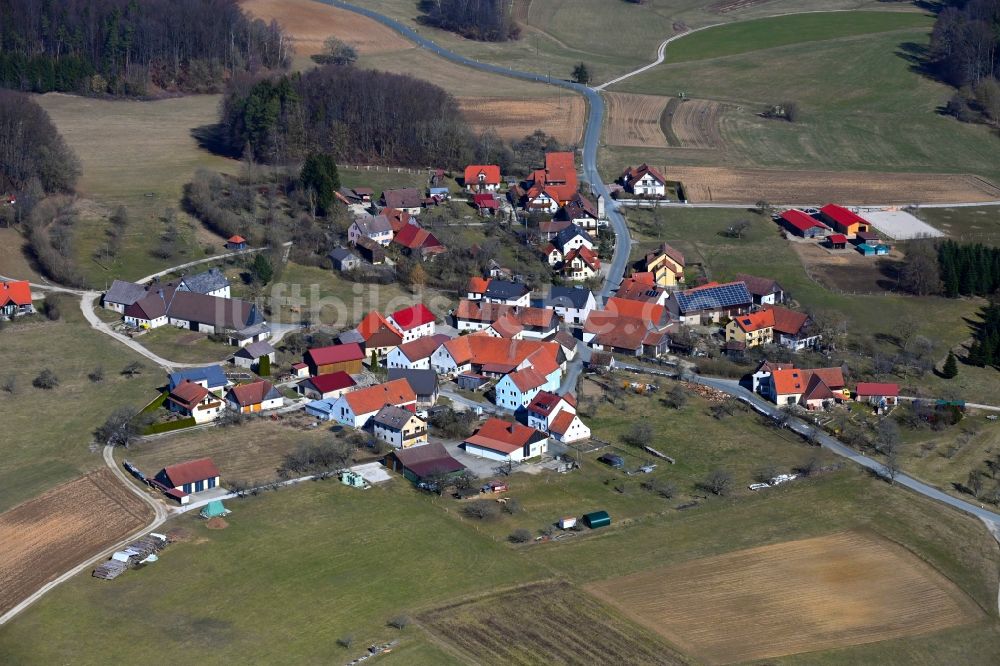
x: 666, y: 264
x: 754, y: 329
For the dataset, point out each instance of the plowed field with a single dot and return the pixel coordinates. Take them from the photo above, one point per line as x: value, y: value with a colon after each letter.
x: 785, y: 186
x: 798, y: 596
x: 561, y: 117
x: 695, y: 123
x: 634, y: 120
x: 309, y: 23
x: 45, y: 536
x: 547, y: 623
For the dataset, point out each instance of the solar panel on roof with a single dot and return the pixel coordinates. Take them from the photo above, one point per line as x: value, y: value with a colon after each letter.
x: 723, y: 296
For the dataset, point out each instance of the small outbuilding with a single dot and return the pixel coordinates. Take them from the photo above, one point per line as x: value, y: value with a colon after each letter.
x: 837, y: 241
x: 236, y: 243
x: 214, y: 509
x: 596, y: 519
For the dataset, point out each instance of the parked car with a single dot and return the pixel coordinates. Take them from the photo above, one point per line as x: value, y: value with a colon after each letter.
x: 612, y: 460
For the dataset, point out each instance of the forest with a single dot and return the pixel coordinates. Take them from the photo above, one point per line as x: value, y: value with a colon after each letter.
x: 485, y: 20
x: 132, y: 47
x: 357, y: 116
x: 969, y: 269
x: 965, y: 52
x: 31, y: 148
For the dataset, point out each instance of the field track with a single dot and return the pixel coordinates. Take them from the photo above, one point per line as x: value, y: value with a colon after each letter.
x: 734, y: 185
x: 823, y: 593
x: 561, y: 117
x: 309, y: 23
x: 45, y: 536
x: 634, y: 120
x: 544, y: 623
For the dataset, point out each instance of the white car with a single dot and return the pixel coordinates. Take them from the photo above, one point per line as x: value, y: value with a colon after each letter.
x: 758, y: 486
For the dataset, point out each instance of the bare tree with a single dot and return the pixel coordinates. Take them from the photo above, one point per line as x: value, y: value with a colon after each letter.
x: 520, y: 535
x: 121, y: 427
x: 132, y: 369
x: 975, y: 483
x: 718, y: 482
x: 400, y: 622
x: 640, y: 434
x: 890, y: 465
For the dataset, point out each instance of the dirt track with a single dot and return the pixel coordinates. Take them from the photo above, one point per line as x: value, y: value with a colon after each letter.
x: 562, y: 117
x: 798, y: 596
x: 45, y: 536
x: 733, y: 185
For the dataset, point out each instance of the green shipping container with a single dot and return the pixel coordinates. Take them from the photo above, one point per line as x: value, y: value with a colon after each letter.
x: 596, y: 519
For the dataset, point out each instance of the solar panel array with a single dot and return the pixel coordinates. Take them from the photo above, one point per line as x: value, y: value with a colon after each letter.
x: 710, y: 298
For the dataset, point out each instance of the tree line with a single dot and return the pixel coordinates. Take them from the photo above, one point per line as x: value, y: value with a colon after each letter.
x: 968, y: 269
x: 985, y: 349
x: 31, y: 149
x: 131, y: 47
x: 484, y: 20
x: 965, y: 52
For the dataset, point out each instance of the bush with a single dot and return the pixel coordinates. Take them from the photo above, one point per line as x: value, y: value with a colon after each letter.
x: 345, y: 641
x: 96, y: 375
x: 51, y: 308
x: 400, y: 622
x: 520, y: 535
x: 718, y: 482
x: 512, y: 506
x: 482, y: 510
x: 10, y: 384
x: 169, y: 426
x: 664, y: 489
x: 46, y: 379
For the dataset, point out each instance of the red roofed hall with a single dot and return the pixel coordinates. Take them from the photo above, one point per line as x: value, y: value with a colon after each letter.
x: 843, y: 220
x: 324, y: 360
x: 503, y: 440
x: 321, y: 387
x: 878, y: 394
x: 802, y: 224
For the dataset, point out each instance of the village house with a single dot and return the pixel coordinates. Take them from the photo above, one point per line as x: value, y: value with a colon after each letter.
x: 583, y: 213
x: 666, y: 263
x: 792, y: 329
x: 644, y: 181
x: 416, y: 241
x: 571, y: 304
x: 343, y: 259
x: 15, y: 299
x: 258, y: 396
x: 326, y: 387
x: 879, y: 395
x: 122, y: 294
x: 408, y: 199
x: 764, y: 370
x: 239, y: 320
x: 752, y: 329
x: 556, y: 415
x: 476, y: 288
x: 802, y: 224
x: 423, y: 382
x: 503, y: 440
x: 567, y: 343
x: 515, y: 390
x: 192, y: 476
x: 481, y: 178
x: 525, y: 322
x: 399, y: 428
x: 398, y: 219
x: 581, y: 264
x: 373, y: 227
x: 416, y: 354
x: 765, y: 291
x: 817, y: 388
x: 210, y: 377
x: 194, y: 400
x: 251, y: 355
x: 378, y: 334
x: 507, y: 293
x: 634, y: 328
x: 413, y: 322
x: 357, y: 195
x: 549, y: 229
x: 357, y: 407
x: 370, y: 251
x: 325, y: 360
x: 212, y: 282
x: 423, y: 464
x: 642, y: 287
x: 473, y: 353
x: 710, y: 303
x: 486, y: 205
x: 843, y: 220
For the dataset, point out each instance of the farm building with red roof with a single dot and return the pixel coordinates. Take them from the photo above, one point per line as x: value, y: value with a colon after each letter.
x: 482, y: 178
x: 843, y: 220
x: 189, y: 477
x: 802, y: 224
x: 324, y: 360
x: 324, y: 387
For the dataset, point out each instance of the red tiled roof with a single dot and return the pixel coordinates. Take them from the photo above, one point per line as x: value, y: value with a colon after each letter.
x: 483, y: 348
x: 527, y: 379
x: 478, y: 285
x: 491, y: 312
x: 787, y: 321
x: 188, y: 394
x: 800, y: 220
x: 649, y: 312
x: 544, y: 402
x: 755, y: 321
x: 415, y: 238
x: 837, y: 238
x: 671, y: 252
x: 398, y: 219
x: 191, y: 471
x: 588, y: 256
x: 335, y: 354
x: 507, y: 326
x: 423, y: 347
x: 332, y: 381
x: 634, y: 289
x: 817, y: 389
x: 491, y: 173
x: 413, y: 316
x: 237, y: 239
x: 793, y: 380
x: 561, y: 423
x: 18, y: 293
x: 869, y: 389
x: 397, y: 392
x: 253, y: 393
x: 635, y: 173
x: 373, y: 323
x: 841, y: 215
x: 485, y: 201
x: 503, y: 436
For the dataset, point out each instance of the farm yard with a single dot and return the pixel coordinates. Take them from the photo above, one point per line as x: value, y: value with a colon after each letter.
x: 45, y: 536
x: 703, y: 184
x: 553, y: 623
x: 849, y: 272
x: 560, y: 117
x: 634, y: 120
x: 838, y: 590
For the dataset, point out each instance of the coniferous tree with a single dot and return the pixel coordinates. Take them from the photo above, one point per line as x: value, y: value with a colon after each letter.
x: 950, y: 369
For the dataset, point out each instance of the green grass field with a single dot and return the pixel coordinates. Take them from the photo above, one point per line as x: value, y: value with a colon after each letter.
x: 47, y: 433
x: 184, y: 346
x: 871, y: 111
x: 969, y: 225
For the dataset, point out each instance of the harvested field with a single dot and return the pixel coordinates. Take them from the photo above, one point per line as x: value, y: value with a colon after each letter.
x: 553, y: 623
x: 48, y: 535
x: 519, y: 11
x: 309, y: 23
x: 844, y: 589
x: 788, y: 186
x: 726, y: 6
x: 634, y: 120
x: 561, y: 117
x: 695, y: 123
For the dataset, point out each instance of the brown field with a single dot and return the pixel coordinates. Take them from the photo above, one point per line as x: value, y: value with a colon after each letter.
x: 726, y: 6
x: 786, y: 186
x: 847, y: 271
x: 544, y: 623
x: 634, y: 120
x: 695, y: 123
x: 799, y: 596
x: 250, y: 452
x: 561, y: 117
x: 54, y: 532
x: 309, y: 23
x: 520, y: 11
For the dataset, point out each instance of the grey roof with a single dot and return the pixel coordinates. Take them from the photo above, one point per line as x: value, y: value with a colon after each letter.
x: 124, y: 292
x: 222, y: 313
x: 568, y: 234
x: 734, y: 294
x: 568, y: 297
x: 759, y: 286
x: 203, y: 283
x: 255, y: 350
x: 349, y: 336
x: 260, y: 328
x: 341, y: 253
x: 423, y: 382
x: 393, y: 417
x: 505, y: 290
x: 373, y: 224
